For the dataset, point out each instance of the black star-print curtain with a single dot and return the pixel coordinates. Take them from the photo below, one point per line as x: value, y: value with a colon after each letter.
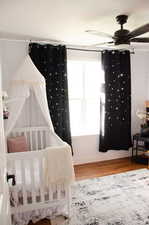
x: 115, y: 124
x: 51, y: 61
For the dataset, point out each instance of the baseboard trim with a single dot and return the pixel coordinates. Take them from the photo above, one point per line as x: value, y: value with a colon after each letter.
x: 98, y: 158
x: 103, y: 161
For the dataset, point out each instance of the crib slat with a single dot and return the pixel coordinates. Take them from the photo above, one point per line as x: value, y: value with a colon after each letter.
x: 24, y: 191
x: 41, y: 179
x: 15, y: 197
x: 13, y: 167
x: 31, y: 140
x: 19, y: 133
x: 41, y: 138
x: 14, y: 188
x: 58, y: 191
x: 14, y: 134
x: 50, y: 193
x: 36, y: 140
x: 32, y: 173
x: 25, y: 134
x: 45, y: 137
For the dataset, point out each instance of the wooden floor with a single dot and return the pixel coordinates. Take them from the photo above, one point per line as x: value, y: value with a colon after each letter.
x: 105, y: 168
x: 98, y: 169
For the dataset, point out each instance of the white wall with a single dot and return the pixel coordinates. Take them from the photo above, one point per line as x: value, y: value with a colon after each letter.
x: 86, y: 147
x: 139, y: 84
x: 12, y: 54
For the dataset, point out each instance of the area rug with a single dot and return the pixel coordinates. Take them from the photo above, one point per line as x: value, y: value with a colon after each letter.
x: 121, y: 199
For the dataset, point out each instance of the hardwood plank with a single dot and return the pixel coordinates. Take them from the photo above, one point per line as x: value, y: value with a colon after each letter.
x: 104, y: 168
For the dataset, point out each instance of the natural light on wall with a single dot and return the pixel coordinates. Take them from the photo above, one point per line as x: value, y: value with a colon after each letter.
x: 85, y: 79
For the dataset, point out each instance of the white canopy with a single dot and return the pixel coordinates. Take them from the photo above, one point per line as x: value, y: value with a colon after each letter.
x: 27, y: 82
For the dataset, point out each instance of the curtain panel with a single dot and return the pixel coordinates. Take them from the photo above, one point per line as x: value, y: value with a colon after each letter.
x: 51, y: 61
x: 115, y: 107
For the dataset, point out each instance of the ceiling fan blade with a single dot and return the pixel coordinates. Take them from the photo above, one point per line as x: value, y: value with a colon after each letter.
x: 143, y: 40
x: 104, y: 43
x: 98, y: 33
x: 141, y: 30
x: 111, y: 46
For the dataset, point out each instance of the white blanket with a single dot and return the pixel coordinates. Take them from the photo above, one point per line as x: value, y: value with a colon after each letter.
x: 58, y: 165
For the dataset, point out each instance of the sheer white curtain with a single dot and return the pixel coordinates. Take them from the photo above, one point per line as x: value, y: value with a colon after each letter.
x: 41, y: 97
x: 18, y: 94
x: 26, y: 81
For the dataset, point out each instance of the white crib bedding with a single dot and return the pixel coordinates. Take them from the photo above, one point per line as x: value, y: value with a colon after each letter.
x: 51, y: 210
x: 16, y: 198
x: 29, y: 174
x: 23, y: 218
x: 16, y: 194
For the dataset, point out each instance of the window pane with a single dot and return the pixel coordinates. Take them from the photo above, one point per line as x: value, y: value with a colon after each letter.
x: 75, y: 117
x: 93, y: 78
x: 84, y: 83
x: 92, y: 117
x: 75, y: 79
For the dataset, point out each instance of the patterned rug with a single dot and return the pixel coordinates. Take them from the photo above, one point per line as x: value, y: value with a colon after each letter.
x: 121, y: 199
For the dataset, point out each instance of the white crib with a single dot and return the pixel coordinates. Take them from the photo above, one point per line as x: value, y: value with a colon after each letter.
x: 29, y: 193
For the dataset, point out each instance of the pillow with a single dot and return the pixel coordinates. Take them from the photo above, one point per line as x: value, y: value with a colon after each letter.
x: 17, y: 144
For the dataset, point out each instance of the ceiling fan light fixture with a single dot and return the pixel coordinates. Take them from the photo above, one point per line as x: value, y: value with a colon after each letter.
x: 123, y: 46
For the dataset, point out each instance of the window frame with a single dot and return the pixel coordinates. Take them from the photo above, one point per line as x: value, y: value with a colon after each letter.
x: 84, y: 101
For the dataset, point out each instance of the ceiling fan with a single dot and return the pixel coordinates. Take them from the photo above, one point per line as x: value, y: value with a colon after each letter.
x: 123, y: 37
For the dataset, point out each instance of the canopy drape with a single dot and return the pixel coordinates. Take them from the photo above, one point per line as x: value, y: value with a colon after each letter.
x: 26, y: 80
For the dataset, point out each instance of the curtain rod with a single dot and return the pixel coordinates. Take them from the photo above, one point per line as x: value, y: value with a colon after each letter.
x: 31, y: 41
x: 57, y: 43
x: 49, y: 42
x: 85, y: 50
x: 93, y: 50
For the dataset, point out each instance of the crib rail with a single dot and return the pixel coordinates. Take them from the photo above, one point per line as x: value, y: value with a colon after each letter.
x: 30, y: 193
x: 37, y: 137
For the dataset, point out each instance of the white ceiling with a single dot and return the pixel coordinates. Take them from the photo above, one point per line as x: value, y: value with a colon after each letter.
x: 67, y: 20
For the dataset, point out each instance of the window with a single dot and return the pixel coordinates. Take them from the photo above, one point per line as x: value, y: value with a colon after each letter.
x: 84, y: 82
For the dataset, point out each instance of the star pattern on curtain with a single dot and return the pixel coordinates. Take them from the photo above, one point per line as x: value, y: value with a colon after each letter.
x: 116, y: 65
x: 52, y: 63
